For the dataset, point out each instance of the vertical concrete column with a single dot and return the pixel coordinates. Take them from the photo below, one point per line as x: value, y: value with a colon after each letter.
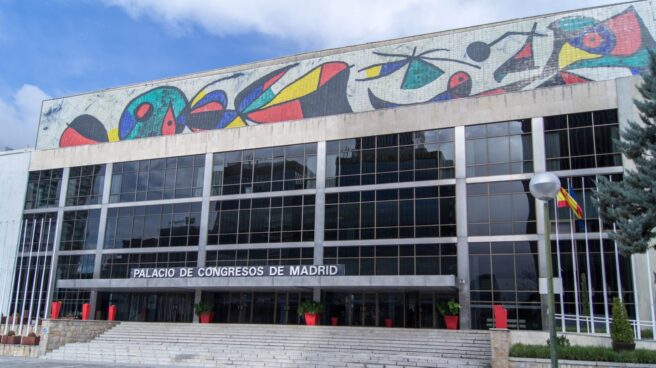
x: 540, y: 165
x: 205, y: 209
x: 464, y: 297
x: 102, y: 228
x: 319, y: 210
x: 55, y: 242
x: 500, y: 344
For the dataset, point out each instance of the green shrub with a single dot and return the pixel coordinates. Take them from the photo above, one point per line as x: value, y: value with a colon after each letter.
x: 589, y: 353
x: 561, y: 341
x: 647, y: 334
x: 449, y: 308
x: 310, y: 307
x: 620, y: 329
x: 203, y: 307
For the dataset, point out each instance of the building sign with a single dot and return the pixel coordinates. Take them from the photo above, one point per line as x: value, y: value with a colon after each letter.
x: 237, y: 271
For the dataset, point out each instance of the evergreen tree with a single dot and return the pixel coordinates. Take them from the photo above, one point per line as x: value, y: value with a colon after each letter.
x: 631, y: 203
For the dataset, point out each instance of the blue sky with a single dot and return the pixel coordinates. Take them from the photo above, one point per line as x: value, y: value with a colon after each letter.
x: 54, y: 48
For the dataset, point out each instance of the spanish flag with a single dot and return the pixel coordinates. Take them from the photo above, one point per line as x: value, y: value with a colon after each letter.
x: 567, y: 200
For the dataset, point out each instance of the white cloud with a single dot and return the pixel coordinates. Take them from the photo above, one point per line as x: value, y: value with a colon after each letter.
x: 336, y: 22
x: 19, y: 117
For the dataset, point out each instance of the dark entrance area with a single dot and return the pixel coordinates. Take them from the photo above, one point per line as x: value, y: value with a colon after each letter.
x: 252, y: 307
x: 149, y: 307
x: 398, y: 309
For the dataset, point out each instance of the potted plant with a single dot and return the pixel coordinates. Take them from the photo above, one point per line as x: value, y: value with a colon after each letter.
x: 204, y: 311
x: 30, y: 339
x: 10, y: 338
x: 620, y: 329
x: 450, y: 310
x: 310, y: 310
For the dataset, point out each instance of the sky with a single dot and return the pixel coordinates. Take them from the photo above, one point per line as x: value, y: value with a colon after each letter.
x: 56, y: 48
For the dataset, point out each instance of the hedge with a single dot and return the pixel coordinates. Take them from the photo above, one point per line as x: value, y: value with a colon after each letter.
x: 589, y: 353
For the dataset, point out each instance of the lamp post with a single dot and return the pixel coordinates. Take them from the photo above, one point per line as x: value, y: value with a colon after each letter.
x: 545, y: 186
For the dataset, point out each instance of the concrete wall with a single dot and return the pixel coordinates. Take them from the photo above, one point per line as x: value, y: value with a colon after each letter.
x: 13, y: 181
x: 567, y: 48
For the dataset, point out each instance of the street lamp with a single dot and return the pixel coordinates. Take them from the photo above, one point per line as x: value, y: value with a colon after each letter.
x: 545, y: 186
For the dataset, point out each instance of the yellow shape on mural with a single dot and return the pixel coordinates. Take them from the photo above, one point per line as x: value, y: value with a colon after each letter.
x: 198, y: 97
x: 299, y: 88
x: 237, y: 123
x: 569, y: 55
x: 374, y: 71
x: 112, y: 135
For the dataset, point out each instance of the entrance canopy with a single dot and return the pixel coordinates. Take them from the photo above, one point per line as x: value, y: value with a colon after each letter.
x: 435, y: 283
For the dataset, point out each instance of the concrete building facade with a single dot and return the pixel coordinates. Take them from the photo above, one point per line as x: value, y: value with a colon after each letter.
x: 406, y: 162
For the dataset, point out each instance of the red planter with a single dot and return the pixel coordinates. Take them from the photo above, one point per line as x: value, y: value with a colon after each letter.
x: 56, y: 309
x: 86, y: 311
x: 111, y: 313
x: 10, y: 340
x: 30, y: 340
x: 311, y: 319
x: 451, y: 322
x: 206, y: 317
x: 333, y: 321
x: 389, y: 322
x: 500, y: 317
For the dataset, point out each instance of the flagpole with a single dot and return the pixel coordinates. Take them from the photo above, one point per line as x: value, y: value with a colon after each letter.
x: 574, y: 270
x: 587, y: 258
x: 43, y: 276
x: 20, y: 274
x: 6, y: 276
x: 603, y: 271
x: 27, y: 278
x: 34, y: 278
x: 562, y: 291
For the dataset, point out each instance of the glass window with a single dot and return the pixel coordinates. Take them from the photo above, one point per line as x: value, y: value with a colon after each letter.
x: 85, y: 185
x: 499, y: 148
x: 119, y: 266
x: 582, y: 140
x: 43, y: 189
x: 262, y: 220
x: 392, y: 213
x: 171, y: 225
x: 265, y: 170
x: 80, y: 230
x: 265, y: 257
x: 500, y: 208
x: 391, y: 158
x: 405, y: 259
x: 147, y: 180
x: 75, y: 267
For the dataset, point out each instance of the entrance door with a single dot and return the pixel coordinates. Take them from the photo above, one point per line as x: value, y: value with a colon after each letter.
x: 369, y: 310
x: 263, y: 307
x: 426, y: 310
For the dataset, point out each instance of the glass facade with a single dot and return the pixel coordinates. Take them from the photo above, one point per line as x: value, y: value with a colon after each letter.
x: 85, y: 185
x: 80, y: 230
x: 505, y: 273
x: 500, y: 208
x: 265, y: 170
x: 391, y: 213
x: 262, y: 220
x: 167, y: 225
x: 164, y: 178
x: 583, y: 140
x: 391, y: 158
x: 499, y: 148
x: 406, y: 259
x: 119, y: 266
x: 388, y: 207
x: 43, y: 189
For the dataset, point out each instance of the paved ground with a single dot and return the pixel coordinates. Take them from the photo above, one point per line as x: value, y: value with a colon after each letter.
x: 38, y: 363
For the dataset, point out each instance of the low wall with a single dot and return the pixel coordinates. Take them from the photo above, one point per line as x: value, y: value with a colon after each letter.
x: 546, y: 363
x: 23, y: 351
x: 57, y: 333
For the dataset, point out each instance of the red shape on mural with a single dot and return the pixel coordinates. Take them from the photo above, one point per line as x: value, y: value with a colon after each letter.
x: 291, y: 110
x: 329, y: 70
x: 525, y: 52
x: 273, y: 80
x: 626, y: 29
x: 168, y: 127
x: 209, y: 107
x: 572, y: 78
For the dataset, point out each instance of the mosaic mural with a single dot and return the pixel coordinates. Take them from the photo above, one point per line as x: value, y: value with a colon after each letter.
x: 577, y: 47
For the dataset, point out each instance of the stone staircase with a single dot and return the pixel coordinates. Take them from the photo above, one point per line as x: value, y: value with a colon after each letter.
x: 219, y: 345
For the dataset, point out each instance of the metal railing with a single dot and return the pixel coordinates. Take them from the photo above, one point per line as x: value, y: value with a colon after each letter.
x: 601, y: 325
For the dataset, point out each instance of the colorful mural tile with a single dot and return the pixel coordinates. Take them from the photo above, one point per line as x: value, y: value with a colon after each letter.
x: 577, y: 47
